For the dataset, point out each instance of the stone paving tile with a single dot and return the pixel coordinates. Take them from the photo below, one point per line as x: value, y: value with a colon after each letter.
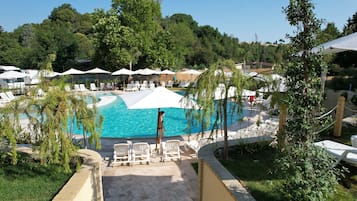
x: 171, y: 180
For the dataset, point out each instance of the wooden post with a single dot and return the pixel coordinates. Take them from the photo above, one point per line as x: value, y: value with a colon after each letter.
x: 200, y: 177
x: 282, y: 122
x: 282, y: 117
x: 339, y: 116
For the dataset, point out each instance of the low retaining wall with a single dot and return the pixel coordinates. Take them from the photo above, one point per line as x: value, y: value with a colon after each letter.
x: 216, y: 182
x: 85, y: 184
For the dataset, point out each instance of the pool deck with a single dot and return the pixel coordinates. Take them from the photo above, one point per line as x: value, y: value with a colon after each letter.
x: 171, y: 180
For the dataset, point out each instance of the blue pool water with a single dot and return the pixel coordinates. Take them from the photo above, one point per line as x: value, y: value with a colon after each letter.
x: 119, y: 122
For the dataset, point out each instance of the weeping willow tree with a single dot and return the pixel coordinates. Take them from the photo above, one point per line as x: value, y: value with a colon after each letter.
x: 49, y: 117
x: 211, y: 93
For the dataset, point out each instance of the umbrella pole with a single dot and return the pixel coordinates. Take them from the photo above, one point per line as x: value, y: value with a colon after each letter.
x: 157, y: 128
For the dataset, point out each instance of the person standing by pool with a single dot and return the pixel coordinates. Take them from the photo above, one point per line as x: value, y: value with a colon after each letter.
x: 160, y: 126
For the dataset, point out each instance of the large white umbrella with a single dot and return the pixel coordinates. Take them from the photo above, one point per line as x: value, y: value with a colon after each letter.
x: 146, y: 71
x: 123, y: 71
x: 73, y: 71
x: 345, y: 43
x: 9, y: 68
x: 159, y: 97
x: 97, y: 71
x: 12, y: 75
x: 167, y: 72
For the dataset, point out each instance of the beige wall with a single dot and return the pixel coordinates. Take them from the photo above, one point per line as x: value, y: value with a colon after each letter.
x: 85, y: 184
x: 211, y: 186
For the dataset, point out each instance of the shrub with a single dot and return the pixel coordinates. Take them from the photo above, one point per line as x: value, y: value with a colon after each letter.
x: 305, y: 169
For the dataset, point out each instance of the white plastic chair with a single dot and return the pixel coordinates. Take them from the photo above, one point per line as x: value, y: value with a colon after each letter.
x: 76, y: 87
x: 171, y: 150
x: 140, y: 152
x: 339, y: 151
x: 10, y: 95
x: 82, y: 87
x: 4, y: 98
x: 122, y: 153
x: 93, y: 87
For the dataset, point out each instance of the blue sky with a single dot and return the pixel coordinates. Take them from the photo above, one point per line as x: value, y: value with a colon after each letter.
x: 247, y: 20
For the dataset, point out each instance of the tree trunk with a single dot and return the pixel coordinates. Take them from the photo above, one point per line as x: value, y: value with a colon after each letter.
x: 225, y: 129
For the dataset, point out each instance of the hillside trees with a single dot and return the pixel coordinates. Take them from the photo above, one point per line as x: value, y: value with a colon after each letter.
x: 143, y: 39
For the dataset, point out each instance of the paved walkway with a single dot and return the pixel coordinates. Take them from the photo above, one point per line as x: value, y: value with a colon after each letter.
x: 158, y: 181
x: 171, y: 180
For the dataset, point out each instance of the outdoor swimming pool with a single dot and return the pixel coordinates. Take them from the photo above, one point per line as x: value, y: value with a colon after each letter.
x: 119, y: 122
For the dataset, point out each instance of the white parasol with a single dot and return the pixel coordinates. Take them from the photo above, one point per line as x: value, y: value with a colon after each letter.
x: 159, y: 97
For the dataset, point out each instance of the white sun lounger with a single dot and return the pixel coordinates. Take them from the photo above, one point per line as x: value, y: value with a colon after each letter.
x: 4, y: 98
x: 140, y: 152
x: 82, y: 87
x: 122, y: 153
x: 10, y: 95
x: 76, y: 87
x: 171, y: 150
x: 93, y: 87
x: 340, y: 151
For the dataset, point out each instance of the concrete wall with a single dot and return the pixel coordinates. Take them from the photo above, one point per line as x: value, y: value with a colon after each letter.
x: 85, y: 184
x: 216, y: 182
x: 212, y: 188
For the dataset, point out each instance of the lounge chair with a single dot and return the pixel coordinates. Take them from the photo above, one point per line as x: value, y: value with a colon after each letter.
x: 82, y: 87
x: 10, y: 95
x: 170, y: 83
x: 122, y: 153
x: 93, y: 87
x: 340, y: 151
x: 171, y: 150
x: 102, y: 86
x: 4, y: 98
x: 76, y: 87
x: 140, y: 152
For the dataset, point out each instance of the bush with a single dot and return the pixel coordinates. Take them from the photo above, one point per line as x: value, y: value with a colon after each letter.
x: 308, y: 173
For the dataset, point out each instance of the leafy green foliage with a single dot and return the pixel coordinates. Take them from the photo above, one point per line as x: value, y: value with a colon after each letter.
x: 310, y: 174
x: 307, y: 169
x: 208, y: 85
x: 256, y: 167
x: 48, y: 118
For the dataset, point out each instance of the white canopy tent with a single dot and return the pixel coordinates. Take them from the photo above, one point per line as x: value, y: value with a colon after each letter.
x: 97, y: 71
x: 12, y: 75
x: 159, y: 97
x: 146, y: 71
x: 9, y: 68
x: 123, y: 71
x: 345, y: 43
x: 167, y: 72
x: 73, y: 71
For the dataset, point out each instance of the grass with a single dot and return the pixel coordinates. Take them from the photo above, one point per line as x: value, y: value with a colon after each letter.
x: 29, y: 181
x: 255, y: 170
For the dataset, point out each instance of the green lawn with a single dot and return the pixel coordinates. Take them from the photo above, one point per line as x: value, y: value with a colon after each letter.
x: 29, y: 181
x: 256, y: 171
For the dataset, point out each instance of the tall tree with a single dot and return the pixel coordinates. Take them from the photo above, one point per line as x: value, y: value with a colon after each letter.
x: 116, y: 45
x: 307, y: 169
x: 143, y: 17
x: 207, y: 85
